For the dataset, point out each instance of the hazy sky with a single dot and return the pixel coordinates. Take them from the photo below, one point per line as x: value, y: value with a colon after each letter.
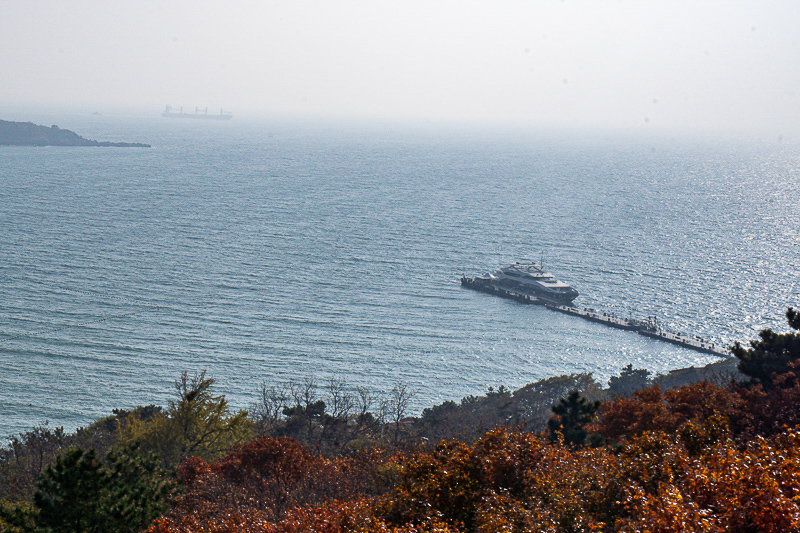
x: 637, y: 64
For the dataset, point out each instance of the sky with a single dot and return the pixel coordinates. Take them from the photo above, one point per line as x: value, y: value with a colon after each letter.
x: 644, y: 64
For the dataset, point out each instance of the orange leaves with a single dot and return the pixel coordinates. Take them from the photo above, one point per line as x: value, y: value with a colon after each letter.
x: 266, y: 460
x: 650, y: 410
x: 755, y: 488
x: 724, y: 488
x: 507, y: 481
x: 681, y: 464
x: 644, y: 411
x: 667, y: 511
x: 702, y: 400
x: 510, y: 481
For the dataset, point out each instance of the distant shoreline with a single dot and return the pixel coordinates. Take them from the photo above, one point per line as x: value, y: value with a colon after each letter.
x: 30, y: 134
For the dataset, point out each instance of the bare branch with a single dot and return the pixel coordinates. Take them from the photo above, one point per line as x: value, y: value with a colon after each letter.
x: 268, y: 410
x: 340, y: 402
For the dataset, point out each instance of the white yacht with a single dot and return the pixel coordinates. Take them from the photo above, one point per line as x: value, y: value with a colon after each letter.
x: 528, y: 279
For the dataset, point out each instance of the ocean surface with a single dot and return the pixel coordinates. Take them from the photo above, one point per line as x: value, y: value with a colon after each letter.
x: 272, y: 251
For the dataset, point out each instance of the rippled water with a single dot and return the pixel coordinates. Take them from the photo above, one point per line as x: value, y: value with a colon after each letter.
x: 277, y: 251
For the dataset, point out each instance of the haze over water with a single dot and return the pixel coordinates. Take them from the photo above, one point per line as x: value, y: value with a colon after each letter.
x: 278, y: 251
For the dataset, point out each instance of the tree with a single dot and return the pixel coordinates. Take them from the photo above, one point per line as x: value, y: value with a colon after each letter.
x: 307, y: 413
x: 70, y: 494
x: 625, y: 417
x: 25, y: 459
x: 471, y: 418
x: 650, y: 410
x: 629, y: 381
x: 533, y: 402
x: 266, y: 412
x: 330, y: 424
x: 573, y: 413
x: 363, y: 419
x: 271, y: 469
x: 265, y: 481
x: 772, y: 354
x: 78, y: 494
x: 197, y: 423
x: 396, y: 406
x: 139, y: 490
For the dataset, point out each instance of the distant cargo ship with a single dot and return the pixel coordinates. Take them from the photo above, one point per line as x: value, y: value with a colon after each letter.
x: 169, y: 112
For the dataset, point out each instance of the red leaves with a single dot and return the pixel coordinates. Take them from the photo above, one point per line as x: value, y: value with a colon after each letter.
x: 266, y: 459
x: 688, y: 459
x: 649, y: 410
x: 270, y: 483
x: 507, y: 481
x: 192, y: 469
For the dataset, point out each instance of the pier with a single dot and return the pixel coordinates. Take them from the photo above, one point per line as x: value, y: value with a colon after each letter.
x: 647, y: 328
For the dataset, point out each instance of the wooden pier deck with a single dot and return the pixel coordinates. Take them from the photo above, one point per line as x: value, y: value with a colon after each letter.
x: 646, y: 328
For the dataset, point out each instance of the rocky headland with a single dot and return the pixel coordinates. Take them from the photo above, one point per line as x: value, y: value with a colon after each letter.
x: 30, y: 134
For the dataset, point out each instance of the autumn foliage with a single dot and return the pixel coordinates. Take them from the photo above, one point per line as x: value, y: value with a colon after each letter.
x: 267, y: 481
x: 698, y: 479
x: 655, y: 410
x: 699, y: 458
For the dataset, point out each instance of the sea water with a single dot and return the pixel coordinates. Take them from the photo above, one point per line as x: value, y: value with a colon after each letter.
x: 276, y: 251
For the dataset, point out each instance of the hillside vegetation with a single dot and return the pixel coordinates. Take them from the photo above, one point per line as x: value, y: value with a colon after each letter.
x: 562, y: 454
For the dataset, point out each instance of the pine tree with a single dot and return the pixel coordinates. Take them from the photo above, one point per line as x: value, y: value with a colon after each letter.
x: 77, y: 494
x: 573, y: 413
x: 629, y: 381
x: 138, y: 490
x: 70, y: 494
x: 772, y: 355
